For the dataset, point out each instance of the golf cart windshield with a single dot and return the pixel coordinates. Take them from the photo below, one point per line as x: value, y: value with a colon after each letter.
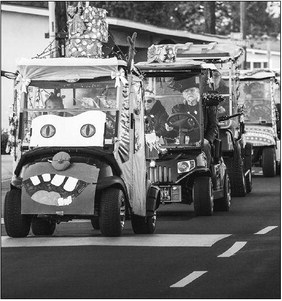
x: 83, y: 109
x: 173, y: 111
x: 257, y: 99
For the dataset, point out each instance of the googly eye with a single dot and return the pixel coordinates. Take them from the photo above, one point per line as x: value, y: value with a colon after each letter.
x: 87, y: 130
x: 48, y: 131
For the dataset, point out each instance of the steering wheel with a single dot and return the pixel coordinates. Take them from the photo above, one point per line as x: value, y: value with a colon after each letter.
x: 183, y: 120
x: 260, y: 111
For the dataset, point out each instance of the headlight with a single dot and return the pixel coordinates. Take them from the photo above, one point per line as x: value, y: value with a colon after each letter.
x: 202, y: 160
x: 185, y: 166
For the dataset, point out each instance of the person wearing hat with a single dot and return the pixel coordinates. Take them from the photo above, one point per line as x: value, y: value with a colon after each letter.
x: 156, y: 115
x: 190, y: 105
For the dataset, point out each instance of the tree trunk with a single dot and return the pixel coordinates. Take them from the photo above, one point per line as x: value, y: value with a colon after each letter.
x: 209, y: 13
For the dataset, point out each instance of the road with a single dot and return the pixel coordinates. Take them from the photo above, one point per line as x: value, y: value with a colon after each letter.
x: 232, y: 254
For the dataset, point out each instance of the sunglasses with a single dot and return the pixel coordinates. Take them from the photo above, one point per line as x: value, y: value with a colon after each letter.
x: 150, y: 100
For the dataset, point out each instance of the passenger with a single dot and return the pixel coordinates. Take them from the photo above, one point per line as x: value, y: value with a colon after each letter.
x: 219, y: 84
x: 54, y: 102
x: 156, y: 115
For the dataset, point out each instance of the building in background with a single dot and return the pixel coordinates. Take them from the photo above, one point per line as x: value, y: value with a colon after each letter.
x: 24, y: 33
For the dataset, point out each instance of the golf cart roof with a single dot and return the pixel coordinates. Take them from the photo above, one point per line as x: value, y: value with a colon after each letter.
x: 54, y: 69
x: 212, y: 52
x: 256, y: 74
x: 178, y: 65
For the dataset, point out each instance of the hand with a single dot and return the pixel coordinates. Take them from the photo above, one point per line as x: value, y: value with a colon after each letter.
x: 206, y: 142
x: 168, y: 128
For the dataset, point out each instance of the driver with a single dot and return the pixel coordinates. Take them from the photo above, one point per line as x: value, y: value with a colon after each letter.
x: 190, y: 105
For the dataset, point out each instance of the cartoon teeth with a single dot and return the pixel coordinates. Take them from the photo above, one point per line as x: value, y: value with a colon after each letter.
x: 58, y: 180
x: 35, y: 180
x: 70, y: 184
x: 54, y: 189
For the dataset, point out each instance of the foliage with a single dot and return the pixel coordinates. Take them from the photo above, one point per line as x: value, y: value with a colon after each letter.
x: 262, y: 17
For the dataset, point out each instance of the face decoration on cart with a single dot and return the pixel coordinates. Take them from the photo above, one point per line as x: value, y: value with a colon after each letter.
x: 85, y: 129
x: 54, y: 189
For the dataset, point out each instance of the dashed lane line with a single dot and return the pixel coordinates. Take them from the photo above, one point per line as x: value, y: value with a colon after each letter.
x: 234, y: 249
x: 188, y: 279
x: 155, y: 240
x: 266, y: 230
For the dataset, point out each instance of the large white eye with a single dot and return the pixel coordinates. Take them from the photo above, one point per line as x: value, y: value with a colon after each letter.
x: 87, y: 130
x: 48, y: 131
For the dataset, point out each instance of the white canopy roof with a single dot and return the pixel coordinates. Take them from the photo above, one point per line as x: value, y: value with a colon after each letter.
x: 256, y: 74
x: 52, y: 69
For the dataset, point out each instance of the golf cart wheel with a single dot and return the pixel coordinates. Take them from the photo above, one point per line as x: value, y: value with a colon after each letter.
x: 112, y: 212
x: 223, y: 204
x: 95, y: 223
x: 236, y: 174
x: 203, y: 196
x: 268, y: 162
x: 249, y: 181
x: 16, y: 224
x: 41, y: 226
x: 142, y: 224
x: 248, y: 166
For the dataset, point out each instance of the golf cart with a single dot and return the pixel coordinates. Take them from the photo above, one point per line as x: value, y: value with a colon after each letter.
x: 236, y: 152
x: 78, y: 161
x: 257, y: 94
x: 176, y: 162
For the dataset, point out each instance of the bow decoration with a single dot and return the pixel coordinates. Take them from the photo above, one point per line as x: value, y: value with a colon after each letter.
x: 120, y: 77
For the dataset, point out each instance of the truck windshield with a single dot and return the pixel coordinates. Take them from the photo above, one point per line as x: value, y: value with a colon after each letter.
x: 173, y: 111
x: 257, y: 99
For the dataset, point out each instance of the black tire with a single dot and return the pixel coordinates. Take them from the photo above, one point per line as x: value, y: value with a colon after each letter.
x: 16, y: 224
x: 112, y: 212
x: 248, y: 167
x: 203, y: 196
x: 95, y: 222
x: 142, y: 224
x: 268, y: 162
x: 236, y: 174
x: 249, y: 181
x: 41, y: 226
x: 224, y: 203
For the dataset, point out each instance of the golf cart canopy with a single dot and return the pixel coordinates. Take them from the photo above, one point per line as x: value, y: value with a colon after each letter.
x: 187, y: 65
x: 256, y: 74
x: 68, y: 69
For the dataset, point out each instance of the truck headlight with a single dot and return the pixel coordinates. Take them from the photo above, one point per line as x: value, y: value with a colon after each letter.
x: 185, y: 166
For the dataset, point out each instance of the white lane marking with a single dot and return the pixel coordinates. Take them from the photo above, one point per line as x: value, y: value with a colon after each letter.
x: 266, y: 230
x: 73, y: 221
x: 188, y: 279
x: 155, y: 240
x: 234, y: 249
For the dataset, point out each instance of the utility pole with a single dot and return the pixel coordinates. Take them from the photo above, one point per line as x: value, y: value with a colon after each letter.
x: 52, y: 28
x: 243, y: 29
x: 57, y: 28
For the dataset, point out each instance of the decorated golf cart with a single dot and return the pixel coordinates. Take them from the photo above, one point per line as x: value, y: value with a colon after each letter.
x: 257, y: 94
x: 78, y: 138
x: 236, y: 152
x: 176, y: 160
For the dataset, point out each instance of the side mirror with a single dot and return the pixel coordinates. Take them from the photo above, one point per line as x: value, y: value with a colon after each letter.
x: 212, y: 98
